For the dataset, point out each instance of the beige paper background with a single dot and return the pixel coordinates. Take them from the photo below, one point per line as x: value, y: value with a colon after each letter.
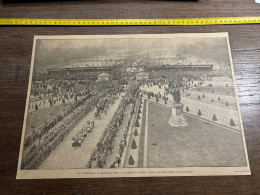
x: 128, y: 172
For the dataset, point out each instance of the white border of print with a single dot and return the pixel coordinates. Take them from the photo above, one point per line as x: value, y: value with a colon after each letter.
x: 128, y: 172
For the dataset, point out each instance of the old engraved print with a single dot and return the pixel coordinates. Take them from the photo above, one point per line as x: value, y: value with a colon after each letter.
x: 130, y: 106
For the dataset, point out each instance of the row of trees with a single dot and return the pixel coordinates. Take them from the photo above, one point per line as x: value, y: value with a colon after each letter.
x: 214, y: 117
x: 123, y: 141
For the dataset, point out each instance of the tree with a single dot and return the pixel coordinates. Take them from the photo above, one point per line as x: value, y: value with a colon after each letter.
x: 198, y: 97
x: 63, y: 101
x: 203, y: 96
x: 199, y: 113
x: 218, y: 98
x: 138, y: 116
x: 139, y: 111
x: 226, y: 85
x: 157, y: 100
x: 131, y: 160
x: 187, y: 109
x: 177, y: 96
x: 232, y: 123
x: 137, y: 124
x: 136, y: 132
x: 133, y: 145
x: 36, y: 107
x: 214, y: 118
x: 213, y: 91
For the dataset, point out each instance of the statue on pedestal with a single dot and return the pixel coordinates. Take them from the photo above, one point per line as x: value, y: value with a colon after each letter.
x: 176, y: 96
x: 177, y: 119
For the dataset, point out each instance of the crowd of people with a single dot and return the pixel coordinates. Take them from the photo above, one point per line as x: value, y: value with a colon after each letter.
x: 51, y: 92
x: 180, y: 60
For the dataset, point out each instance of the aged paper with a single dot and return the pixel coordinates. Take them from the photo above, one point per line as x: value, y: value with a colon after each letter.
x: 132, y: 106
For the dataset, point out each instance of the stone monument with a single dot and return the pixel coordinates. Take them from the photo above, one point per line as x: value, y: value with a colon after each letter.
x: 177, y: 119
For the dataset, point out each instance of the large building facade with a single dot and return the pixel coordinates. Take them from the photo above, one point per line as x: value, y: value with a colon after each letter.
x: 181, y: 67
x: 81, y: 72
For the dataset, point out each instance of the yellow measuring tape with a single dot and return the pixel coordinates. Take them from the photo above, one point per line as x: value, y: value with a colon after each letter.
x: 131, y: 22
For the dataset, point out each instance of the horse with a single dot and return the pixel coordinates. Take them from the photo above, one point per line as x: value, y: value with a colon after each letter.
x: 76, y: 144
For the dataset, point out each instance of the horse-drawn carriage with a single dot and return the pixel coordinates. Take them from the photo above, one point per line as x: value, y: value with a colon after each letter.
x: 77, y: 142
x: 81, y: 135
